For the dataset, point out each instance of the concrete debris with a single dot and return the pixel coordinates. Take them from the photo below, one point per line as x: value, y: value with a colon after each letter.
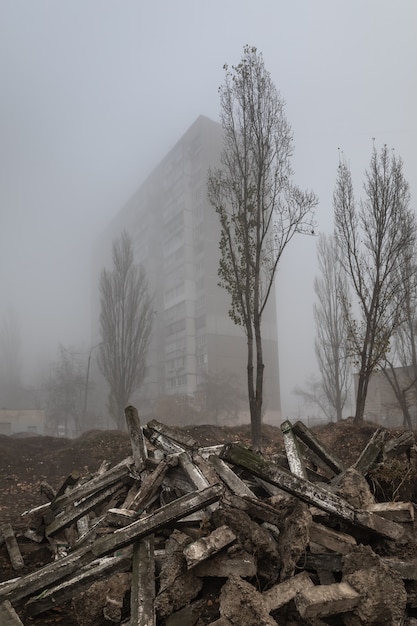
x: 177, y: 534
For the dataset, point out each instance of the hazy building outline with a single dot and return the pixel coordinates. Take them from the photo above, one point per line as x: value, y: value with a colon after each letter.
x: 175, y: 233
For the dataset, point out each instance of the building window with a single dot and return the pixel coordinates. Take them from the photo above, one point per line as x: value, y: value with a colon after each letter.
x: 175, y: 223
x: 174, y: 258
x: 175, y: 365
x: 200, y: 322
x: 175, y: 346
x: 5, y: 428
x: 175, y: 312
x: 175, y: 327
x: 174, y: 292
x: 200, y: 303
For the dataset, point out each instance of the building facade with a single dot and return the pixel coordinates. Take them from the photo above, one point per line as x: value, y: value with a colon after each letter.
x: 29, y: 421
x: 176, y: 236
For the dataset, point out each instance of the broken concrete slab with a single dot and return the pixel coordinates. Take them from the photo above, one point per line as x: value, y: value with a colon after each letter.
x: 308, y: 492
x: 406, y: 569
x: 254, y: 539
x: 295, y: 460
x: 234, y: 561
x: 103, y: 601
x: 178, y: 584
x: 12, y: 546
x: 82, y: 580
x: 382, y: 590
x: 8, y: 616
x: 168, y: 513
x: 231, y: 480
x: 371, y: 452
x: 187, y: 616
x: 17, y: 590
x: 330, y: 539
x: 353, y: 487
x: 205, y: 547
x: 294, y: 538
x: 311, y: 441
x: 142, y: 592
x: 398, y: 445
x: 175, y: 434
x: 281, y: 594
x: 400, y: 512
x: 242, y: 604
x: 326, y: 600
x: 139, y: 451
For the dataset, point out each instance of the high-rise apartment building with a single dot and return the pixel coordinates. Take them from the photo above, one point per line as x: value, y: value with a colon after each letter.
x: 176, y: 236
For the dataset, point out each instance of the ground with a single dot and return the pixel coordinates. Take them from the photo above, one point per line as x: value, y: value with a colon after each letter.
x: 27, y: 461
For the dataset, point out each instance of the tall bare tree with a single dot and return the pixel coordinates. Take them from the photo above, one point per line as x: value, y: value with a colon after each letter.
x: 219, y: 397
x: 400, y: 368
x: 126, y: 318
x: 258, y: 205
x: 372, y: 238
x: 331, y: 329
x: 313, y: 394
x: 64, y: 390
x: 10, y: 352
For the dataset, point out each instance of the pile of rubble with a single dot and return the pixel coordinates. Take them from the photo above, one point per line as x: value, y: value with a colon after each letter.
x: 180, y: 535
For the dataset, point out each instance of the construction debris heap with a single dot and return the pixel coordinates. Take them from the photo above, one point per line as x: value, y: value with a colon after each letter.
x: 182, y: 535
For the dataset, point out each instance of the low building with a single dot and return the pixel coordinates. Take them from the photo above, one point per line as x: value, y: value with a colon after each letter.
x: 28, y: 421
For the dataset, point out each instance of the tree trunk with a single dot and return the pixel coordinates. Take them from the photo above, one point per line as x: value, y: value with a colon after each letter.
x: 406, y: 418
x: 117, y: 412
x: 121, y: 421
x: 361, y: 396
x: 339, y: 414
x: 256, y: 424
x: 406, y: 412
x: 339, y: 403
x: 255, y: 418
x: 256, y: 407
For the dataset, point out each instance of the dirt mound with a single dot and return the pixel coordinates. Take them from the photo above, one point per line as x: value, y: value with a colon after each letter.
x: 210, y: 435
x: 346, y: 438
x: 27, y: 461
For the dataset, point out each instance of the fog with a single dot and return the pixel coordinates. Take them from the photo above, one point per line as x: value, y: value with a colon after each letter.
x: 95, y: 92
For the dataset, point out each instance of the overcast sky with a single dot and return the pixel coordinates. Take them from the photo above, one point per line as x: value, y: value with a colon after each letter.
x: 95, y: 92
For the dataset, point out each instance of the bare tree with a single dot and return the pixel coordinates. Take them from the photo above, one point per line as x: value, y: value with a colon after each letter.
x: 313, y: 394
x: 64, y: 388
x: 371, y: 240
x: 403, y: 389
x: 175, y: 409
x: 126, y: 318
x: 400, y: 368
x: 259, y: 207
x: 331, y: 328
x: 219, y: 397
x: 10, y: 352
